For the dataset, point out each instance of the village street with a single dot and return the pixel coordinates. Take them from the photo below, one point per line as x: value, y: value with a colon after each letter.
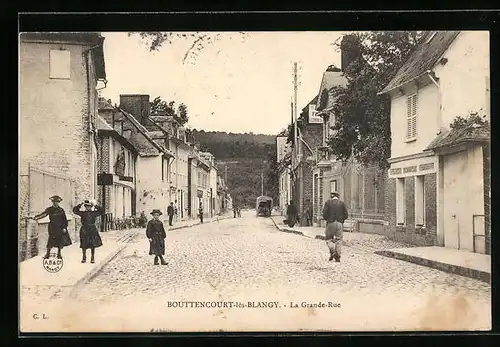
x: 247, y: 259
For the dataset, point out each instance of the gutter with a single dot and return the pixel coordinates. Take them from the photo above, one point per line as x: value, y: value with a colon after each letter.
x: 431, y: 75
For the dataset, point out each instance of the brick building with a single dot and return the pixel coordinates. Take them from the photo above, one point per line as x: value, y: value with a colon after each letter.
x: 431, y: 198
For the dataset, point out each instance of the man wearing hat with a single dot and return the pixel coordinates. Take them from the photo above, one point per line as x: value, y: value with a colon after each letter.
x: 334, y: 213
x: 58, y: 232
x: 156, y: 235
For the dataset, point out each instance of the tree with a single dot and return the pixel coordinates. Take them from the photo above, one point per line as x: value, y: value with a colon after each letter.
x: 199, y: 41
x: 159, y: 106
x: 362, y: 117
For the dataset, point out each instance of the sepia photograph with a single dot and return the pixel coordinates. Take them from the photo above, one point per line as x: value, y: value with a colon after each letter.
x: 254, y: 181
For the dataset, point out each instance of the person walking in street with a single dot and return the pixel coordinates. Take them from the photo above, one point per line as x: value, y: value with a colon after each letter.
x: 89, y: 236
x: 200, y: 212
x: 309, y: 213
x: 156, y: 235
x: 239, y: 211
x: 57, y: 228
x: 176, y: 214
x: 334, y: 213
x: 291, y: 214
x: 142, y: 220
x: 235, y: 211
x: 170, y: 212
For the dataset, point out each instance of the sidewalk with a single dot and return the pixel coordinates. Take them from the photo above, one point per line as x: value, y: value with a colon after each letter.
x: 463, y: 263
x: 73, y: 273
x: 192, y: 222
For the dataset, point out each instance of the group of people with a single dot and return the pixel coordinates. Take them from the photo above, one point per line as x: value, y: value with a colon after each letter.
x: 59, y: 238
x: 334, y: 213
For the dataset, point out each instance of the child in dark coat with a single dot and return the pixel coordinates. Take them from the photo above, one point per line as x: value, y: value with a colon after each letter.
x: 156, y: 235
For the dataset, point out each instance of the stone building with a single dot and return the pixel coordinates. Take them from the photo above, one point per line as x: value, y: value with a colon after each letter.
x: 438, y: 187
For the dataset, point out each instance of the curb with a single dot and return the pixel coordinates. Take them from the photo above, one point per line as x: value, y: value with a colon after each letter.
x: 97, y: 269
x: 450, y: 268
x: 198, y: 223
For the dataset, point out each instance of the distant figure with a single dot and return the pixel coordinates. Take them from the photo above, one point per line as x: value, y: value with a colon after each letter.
x: 57, y: 228
x: 239, y: 211
x: 176, y: 211
x: 89, y: 236
x: 309, y: 213
x: 291, y: 214
x: 170, y: 212
x: 142, y: 220
x: 156, y: 235
x: 334, y: 213
x: 200, y: 212
x: 235, y: 211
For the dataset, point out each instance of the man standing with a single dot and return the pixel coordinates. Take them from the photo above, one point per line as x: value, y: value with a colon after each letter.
x: 334, y: 213
x: 170, y: 212
x: 309, y: 213
x: 291, y: 214
x: 200, y: 211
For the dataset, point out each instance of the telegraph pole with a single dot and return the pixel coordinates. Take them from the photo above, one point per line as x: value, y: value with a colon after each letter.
x: 261, y: 183
x: 297, y: 143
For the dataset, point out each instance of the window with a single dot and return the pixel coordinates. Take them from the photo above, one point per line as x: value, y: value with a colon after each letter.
x: 419, y: 201
x: 400, y: 201
x: 411, y: 117
x: 59, y: 64
x: 333, y: 186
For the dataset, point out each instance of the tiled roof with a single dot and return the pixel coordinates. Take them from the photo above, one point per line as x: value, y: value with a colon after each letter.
x: 457, y: 136
x: 104, y: 104
x: 423, y: 59
x: 143, y: 145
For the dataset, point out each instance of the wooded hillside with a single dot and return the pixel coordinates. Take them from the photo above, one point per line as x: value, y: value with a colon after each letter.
x: 246, y: 156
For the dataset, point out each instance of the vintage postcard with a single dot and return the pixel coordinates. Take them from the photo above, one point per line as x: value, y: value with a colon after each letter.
x: 254, y: 181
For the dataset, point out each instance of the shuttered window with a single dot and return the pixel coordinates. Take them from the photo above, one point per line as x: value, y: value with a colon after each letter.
x: 411, y: 117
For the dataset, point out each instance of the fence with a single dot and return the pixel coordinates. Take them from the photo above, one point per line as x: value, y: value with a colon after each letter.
x: 35, y: 188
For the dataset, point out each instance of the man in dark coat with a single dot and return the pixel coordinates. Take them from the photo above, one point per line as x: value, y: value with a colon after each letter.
x: 156, y: 235
x: 291, y: 214
x: 334, y: 213
x: 200, y: 212
x: 170, y: 212
x: 309, y: 213
x: 58, y: 224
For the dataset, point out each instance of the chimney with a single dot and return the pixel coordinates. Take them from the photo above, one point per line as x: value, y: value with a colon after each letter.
x: 349, y: 51
x: 137, y: 105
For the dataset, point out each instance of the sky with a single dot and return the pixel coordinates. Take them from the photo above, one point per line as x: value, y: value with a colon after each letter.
x: 241, y: 83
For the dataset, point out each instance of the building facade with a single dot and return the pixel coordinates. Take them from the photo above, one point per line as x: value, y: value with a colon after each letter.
x: 118, y: 157
x: 59, y: 78
x: 431, y: 198
x: 60, y: 74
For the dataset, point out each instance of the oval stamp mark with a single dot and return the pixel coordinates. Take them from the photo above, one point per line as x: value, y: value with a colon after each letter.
x: 52, y: 264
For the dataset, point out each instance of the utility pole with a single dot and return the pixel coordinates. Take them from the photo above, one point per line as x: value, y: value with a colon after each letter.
x: 262, y: 183
x: 225, y: 174
x: 297, y: 143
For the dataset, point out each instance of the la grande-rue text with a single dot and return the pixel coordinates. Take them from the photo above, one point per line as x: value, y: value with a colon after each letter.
x: 304, y: 304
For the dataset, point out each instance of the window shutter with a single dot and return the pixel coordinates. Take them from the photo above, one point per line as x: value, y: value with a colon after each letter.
x: 411, y: 116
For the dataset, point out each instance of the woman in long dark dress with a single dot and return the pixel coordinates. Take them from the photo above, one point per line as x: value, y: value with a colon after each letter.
x: 58, y: 232
x: 156, y: 235
x: 89, y: 236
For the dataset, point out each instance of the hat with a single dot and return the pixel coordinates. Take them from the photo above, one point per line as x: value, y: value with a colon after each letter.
x: 156, y: 211
x: 87, y: 203
x: 334, y: 194
x: 56, y: 198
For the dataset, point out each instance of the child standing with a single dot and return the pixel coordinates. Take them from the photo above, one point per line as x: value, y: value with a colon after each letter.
x: 156, y: 235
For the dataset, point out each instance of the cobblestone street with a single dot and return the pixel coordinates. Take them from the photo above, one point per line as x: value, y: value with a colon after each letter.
x: 249, y: 260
